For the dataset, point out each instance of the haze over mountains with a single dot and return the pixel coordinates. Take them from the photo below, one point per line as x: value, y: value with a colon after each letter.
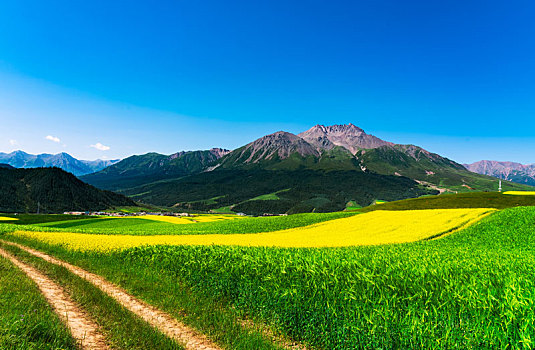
x: 20, y: 159
x: 511, y: 171
x: 321, y: 169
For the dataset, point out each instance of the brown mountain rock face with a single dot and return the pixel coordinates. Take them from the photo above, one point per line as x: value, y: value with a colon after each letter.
x: 348, y: 136
x: 280, y: 144
x: 219, y: 152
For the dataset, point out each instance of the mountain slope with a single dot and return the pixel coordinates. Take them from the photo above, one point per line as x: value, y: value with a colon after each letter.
x: 428, y: 168
x: 286, y: 151
x: 21, y: 190
x: 301, y: 190
x: 20, y: 159
x: 511, y: 171
x: 137, y: 170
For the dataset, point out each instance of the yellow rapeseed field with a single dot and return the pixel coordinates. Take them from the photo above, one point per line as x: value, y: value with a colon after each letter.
x: 378, y: 227
x: 215, y: 217
x: 5, y: 218
x: 520, y: 193
x: 189, y: 220
x: 170, y: 219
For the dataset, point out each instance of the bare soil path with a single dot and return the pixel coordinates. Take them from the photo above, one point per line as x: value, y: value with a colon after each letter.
x: 82, y: 328
x: 165, y: 323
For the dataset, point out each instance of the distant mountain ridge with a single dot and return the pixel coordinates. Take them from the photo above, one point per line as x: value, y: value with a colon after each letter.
x: 149, y: 167
x: 65, y: 161
x: 52, y: 190
x: 510, y: 171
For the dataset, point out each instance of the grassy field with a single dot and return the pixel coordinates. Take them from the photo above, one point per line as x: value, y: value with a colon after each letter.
x: 462, y: 200
x: 465, y: 279
x: 472, y: 289
x: 31, y: 219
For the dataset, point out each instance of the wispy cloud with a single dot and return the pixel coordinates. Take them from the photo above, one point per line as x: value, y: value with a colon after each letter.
x: 53, y: 138
x: 100, y: 146
x: 13, y: 142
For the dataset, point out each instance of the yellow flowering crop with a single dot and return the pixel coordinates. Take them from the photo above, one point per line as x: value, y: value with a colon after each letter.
x: 170, y: 219
x: 377, y: 227
x: 188, y: 219
x: 215, y: 217
x: 520, y: 193
x: 6, y: 218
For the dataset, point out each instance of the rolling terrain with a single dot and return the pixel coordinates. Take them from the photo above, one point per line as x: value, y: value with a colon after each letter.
x: 52, y: 190
x: 297, y: 191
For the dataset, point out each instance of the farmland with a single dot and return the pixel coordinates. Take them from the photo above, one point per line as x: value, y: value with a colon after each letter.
x: 379, y: 227
x: 404, y: 278
x: 520, y: 193
x: 462, y: 200
x: 139, y: 226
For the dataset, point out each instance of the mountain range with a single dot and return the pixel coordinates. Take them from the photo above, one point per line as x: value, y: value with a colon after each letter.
x: 141, y: 169
x: 20, y: 159
x: 510, y: 171
x: 321, y: 169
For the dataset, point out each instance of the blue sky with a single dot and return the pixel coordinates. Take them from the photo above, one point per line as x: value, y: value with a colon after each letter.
x: 454, y: 77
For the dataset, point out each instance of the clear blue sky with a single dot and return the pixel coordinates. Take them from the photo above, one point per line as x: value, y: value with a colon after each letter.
x: 456, y: 77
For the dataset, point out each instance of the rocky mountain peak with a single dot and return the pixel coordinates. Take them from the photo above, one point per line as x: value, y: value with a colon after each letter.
x: 219, y: 152
x: 348, y: 136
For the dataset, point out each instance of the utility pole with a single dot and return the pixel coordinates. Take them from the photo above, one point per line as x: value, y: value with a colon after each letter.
x: 38, y: 207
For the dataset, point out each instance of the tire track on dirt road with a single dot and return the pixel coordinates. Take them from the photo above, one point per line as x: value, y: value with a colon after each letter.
x: 82, y: 328
x: 165, y: 323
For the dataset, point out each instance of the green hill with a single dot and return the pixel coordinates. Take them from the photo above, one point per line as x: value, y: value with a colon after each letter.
x: 496, y: 200
x: 297, y: 190
x: 53, y: 190
x: 150, y: 167
x: 429, y: 168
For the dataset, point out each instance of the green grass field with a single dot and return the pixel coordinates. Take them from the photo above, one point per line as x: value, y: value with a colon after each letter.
x: 473, y: 289
x: 462, y: 200
x: 31, y: 219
